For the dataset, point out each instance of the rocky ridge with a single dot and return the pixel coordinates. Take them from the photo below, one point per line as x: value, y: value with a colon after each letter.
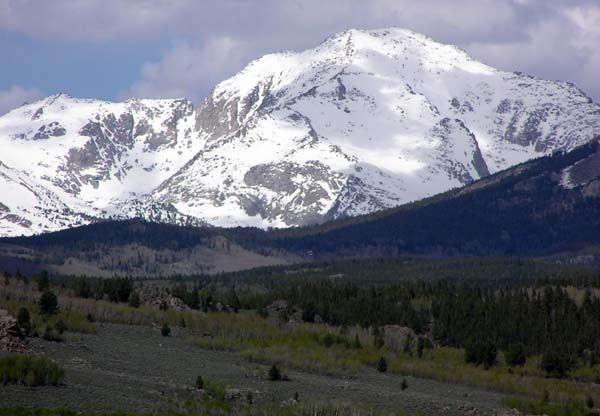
x: 366, y: 120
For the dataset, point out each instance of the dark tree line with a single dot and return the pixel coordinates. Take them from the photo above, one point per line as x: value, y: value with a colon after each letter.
x: 117, y: 289
x: 532, y: 318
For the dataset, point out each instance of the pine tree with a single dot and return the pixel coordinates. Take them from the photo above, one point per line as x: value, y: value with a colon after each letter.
x: 420, y: 347
x: 233, y: 300
x: 134, y: 299
x: 43, y: 281
x: 24, y: 320
x: 382, y: 365
x: 589, y: 402
x: 274, y: 373
x: 356, y: 344
x: 199, y: 383
x: 48, y: 303
x: 515, y: 355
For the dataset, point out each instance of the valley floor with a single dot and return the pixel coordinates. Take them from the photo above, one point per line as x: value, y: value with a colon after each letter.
x: 134, y: 368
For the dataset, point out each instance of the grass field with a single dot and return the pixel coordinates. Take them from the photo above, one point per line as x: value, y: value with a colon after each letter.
x: 313, y: 348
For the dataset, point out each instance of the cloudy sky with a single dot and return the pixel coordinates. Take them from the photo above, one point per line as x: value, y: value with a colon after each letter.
x: 115, y: 49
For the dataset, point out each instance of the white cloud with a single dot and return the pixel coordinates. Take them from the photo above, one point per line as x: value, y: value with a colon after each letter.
x: 586, y: 17
x: 187, y: 71
x: 563, y: 46
x: 549, y: 38
x: 17, y: 95
x: 95, y: 20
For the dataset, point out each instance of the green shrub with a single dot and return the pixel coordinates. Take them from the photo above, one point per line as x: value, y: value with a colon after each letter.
x: 274, y: 373
x: 555, y: 363
x: 420, y: 347
x: 543, y: 408
x: 356, y: 344
x: 134, y: 300
x: 43, y: 281
x: 51, y: 334
x: 199, y: 383
x: 61, y: 326
x: 328, y: 340
x: 515, y: 355
x: 546, y: 397
x: 589, y: 402
x: 481, y: 353
x: 381, y: 365
x: 378, y: 340
x: 403, y: 385
x: 165, y: 331
x: 216, y: 391
x: 30, y: 370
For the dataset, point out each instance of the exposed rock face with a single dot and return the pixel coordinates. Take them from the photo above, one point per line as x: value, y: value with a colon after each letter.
x: 282, y: 179
x: 368, y: 103
x: 67, y: 161
x: 367, y: 120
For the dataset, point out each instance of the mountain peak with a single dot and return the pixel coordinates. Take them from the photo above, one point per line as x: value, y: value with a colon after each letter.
x: 368, y: 119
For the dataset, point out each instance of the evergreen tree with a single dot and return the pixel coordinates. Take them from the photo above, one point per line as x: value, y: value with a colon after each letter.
x: 274, y: 373
x: 48, y: 303
x: 356, y: 344
x: 556, y: 363
x: 24, y: 320
x: 382, y: 365
x: 420, y: 347
x: 589, y: 402
x: 515, y: 355
x: 233, y: 301
x: 134, y: 299
x: 43, y: 281
x: 378, y: 340
x: 404, y: 385
x: 481, y: 353
x: 60, y: 326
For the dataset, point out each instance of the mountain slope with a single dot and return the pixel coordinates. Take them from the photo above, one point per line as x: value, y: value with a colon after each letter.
x: 544, y: 207
x: 94, y: 157
x: 365, y: 121
x: 548, y: 207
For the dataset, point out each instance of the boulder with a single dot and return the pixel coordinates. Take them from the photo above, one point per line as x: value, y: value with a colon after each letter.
x: 278, y: 309
x: 395, y: 337
x: 158, y: 298
x: 11, y: 337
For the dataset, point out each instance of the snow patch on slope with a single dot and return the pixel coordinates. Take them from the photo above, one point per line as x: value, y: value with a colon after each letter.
x: 366, y: 120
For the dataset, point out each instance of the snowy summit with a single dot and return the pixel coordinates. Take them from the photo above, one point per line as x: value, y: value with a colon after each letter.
x: 366, y: 120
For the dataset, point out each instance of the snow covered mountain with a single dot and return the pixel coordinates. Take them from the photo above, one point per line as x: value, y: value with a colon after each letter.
x: 366, y: 120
